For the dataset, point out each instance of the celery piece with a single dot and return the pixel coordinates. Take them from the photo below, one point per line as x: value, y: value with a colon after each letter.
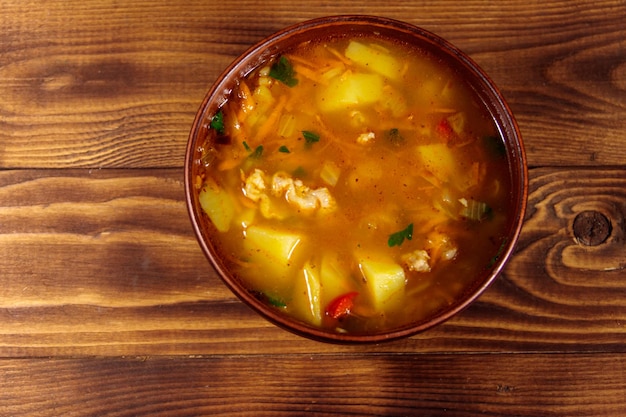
x: 330, y: 173
x: 476, y: 210
x: 306, y: 300
x: 457, y: 122
x: 286, y: 125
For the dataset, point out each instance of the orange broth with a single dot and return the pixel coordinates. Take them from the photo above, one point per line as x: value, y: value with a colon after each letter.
x: 356, y: 184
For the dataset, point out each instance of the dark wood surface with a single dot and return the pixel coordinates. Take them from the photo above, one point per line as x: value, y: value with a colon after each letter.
x: 108, y: 306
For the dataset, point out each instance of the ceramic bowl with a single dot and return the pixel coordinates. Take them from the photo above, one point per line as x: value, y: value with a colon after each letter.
x: 283, y: 40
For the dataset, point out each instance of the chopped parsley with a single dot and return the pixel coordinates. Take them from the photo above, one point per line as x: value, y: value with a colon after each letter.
x: 310, y: 137
x: 495, y: 145
x: 299, y: 172
x: 282, y: 70
x: 493, y: 260
x: 258, y: 152
x: 396, y: 239
x: 276, y: 302
x: 394, y: 137
x: 217, y: 122
x: 270, y: 299
x: 283, y: 149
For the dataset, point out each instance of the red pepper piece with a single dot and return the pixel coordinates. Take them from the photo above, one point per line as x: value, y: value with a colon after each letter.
x: 444, y: 129
x: 341, y: 306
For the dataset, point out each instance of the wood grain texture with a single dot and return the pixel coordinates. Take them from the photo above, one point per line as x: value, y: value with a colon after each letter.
x: 104, y: 262
x: 91, y: 83
x: 395, y: 385
x: 108, y: 306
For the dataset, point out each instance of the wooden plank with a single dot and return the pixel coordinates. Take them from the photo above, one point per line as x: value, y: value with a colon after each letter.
x: 94, y: 83
x: 465, y: 385
x: 104, y: 262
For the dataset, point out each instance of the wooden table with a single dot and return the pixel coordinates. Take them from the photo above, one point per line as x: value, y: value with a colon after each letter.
x: 108, y: 306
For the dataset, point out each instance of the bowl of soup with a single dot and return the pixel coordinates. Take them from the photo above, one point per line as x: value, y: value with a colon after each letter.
x: 355, y: 179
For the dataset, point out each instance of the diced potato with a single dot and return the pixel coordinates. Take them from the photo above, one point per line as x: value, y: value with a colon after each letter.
x: 383, y: 276
x: 275, y: 255
x: 429, y: 93
x: 218, y: 204
x: 263, y: 102
x: 439, y: 161
x: 375, y: 59
x: 263, y: 97
x: 306, y: 299
x: 349, y: 90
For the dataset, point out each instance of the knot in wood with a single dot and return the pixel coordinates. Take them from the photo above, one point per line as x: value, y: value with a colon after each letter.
x: 592, y: 228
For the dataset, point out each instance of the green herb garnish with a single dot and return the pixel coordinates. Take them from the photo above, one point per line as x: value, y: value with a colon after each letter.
x: 394, y: 137
x: 258, y: 152
x: 276, y: 302
x: 493, y: 260
x: 217, y: 122
x: 246, y: 146
x: 299, y: 172
x: 283, y: 149
x: 282, y: 70
x: 396, y: 239
x: 270, y: 299
x: 495, y: 145
x: 476, y: 210
x: 310, y: 137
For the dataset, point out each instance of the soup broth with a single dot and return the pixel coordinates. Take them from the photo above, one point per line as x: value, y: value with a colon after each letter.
x: 356, y: 184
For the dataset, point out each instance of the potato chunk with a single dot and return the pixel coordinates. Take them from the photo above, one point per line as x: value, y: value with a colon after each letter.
x: 218, y: 204
x: 383, y: 276
x: 374, y: 58
x: 275, y: 254
x: 350, y: 90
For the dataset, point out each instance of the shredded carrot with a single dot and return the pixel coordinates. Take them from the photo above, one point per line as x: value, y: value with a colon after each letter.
x: 247, y: 102
x: 339, y: 55
x: 272, y: 119
x: 437, y: 110
x: 310, y: 74
x: 299, y: 60
x: 227, y: 164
